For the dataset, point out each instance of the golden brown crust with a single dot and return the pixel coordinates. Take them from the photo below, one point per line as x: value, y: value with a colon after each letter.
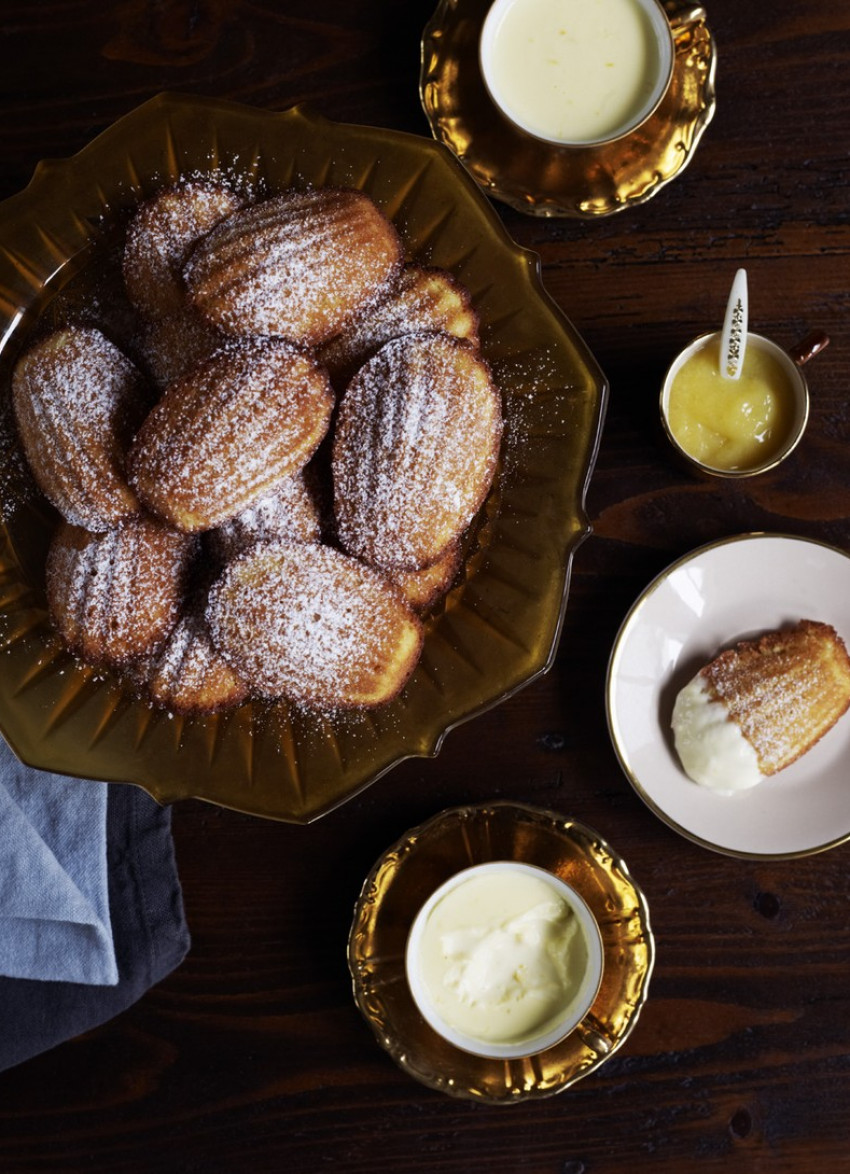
x: 116, y: 596
x: 189, y: 676
x: 423, y: 299
x: 309, y: 623
x: 415, y: 450
x: 78, y: 401
x: 298, y: 266
x: 288, y: 513
x: 423, y: 587
x: 169, y: 347
x: 784, y: 690
x: 160, y: 238
x: 229, y: 431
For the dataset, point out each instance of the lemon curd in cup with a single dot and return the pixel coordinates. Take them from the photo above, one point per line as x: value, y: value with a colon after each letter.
x: 574, y: 71
x: 731, y: 424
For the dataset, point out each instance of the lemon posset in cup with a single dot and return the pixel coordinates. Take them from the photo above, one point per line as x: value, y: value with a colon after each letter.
x: 577, y: 72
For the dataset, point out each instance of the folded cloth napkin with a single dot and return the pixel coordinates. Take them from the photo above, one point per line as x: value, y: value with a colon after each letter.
x: 54, y: 902
x: 91, y: 910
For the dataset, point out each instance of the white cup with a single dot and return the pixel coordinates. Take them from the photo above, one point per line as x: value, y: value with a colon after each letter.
x: 567, y: 1010
x: 584, y: 79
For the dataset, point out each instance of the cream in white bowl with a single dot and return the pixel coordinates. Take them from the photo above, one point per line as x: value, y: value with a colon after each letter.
x: 504, y: 959
x: 577, y: 72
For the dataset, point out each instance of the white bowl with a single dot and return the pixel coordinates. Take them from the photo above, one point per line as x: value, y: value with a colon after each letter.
x: 558, y: 1024
x: 532, y: 102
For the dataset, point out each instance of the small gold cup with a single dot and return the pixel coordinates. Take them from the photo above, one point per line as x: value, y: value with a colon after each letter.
x: 791, y: 363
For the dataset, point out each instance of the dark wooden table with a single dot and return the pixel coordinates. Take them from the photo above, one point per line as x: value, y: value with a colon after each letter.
x: 252, y: 1056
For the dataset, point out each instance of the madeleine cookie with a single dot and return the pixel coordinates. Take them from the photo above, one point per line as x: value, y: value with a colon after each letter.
x: 298, y: 266
x: 160, y: 238
x: 415, y: 450
x: 758, y: 707
x: 170, y: 347
x: 423, y: 587
x: 229, y: 431
x: 189, y: 676
x: 289, y: 513
x: 116, y: 596
x: 309, y: 623
x: 78, y: 401
x: 422, y: 299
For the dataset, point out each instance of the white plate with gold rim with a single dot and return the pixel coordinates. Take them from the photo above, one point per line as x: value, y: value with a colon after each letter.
x: 706, y: 601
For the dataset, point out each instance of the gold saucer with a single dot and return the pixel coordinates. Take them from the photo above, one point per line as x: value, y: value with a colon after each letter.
x: 545, y: 180
x: 407, y: 874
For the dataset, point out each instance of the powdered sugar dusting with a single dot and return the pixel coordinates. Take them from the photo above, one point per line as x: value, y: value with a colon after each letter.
x: 189, y: 675
x: 160, y: 238
x: 421, y: 300
x: 289, y: 512
x: 307, y: 622
x: 297, y: 266
x: 171, y: 346
x: 78, y: 401
x: 229, y: 432
x: 17, y: 486
x: 415, y: 449
x: 115, y: 596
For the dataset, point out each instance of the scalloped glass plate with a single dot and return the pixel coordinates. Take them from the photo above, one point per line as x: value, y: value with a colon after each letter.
x: 544, y: 180
x: 407, y: 874
x: 498, y: 628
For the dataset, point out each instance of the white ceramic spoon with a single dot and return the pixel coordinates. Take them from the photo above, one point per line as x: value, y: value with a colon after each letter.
x: 733, y: 338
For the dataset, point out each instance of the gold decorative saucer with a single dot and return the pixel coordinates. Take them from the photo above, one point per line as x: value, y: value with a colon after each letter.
x: 417, y: 864
x: 545, y: 180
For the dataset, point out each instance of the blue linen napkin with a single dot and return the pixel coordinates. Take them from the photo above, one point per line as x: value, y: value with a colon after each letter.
x: 133, y: 923
x: 54, y: 902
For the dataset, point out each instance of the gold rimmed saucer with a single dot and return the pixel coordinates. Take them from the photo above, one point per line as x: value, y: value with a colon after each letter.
x: 406, y: 875
x: 546, y: 180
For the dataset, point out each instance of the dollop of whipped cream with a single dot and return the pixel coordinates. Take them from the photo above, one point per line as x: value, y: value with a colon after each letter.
x: 711, y: 746
x: 501, y: 963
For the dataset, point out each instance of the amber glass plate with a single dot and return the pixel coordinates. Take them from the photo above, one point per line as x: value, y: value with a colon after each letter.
x: 496, y: 631
x: 544, y: 180
x: 412, y: 869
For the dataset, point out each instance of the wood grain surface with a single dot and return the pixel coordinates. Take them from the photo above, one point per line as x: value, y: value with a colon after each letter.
x: 252, y: 1056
